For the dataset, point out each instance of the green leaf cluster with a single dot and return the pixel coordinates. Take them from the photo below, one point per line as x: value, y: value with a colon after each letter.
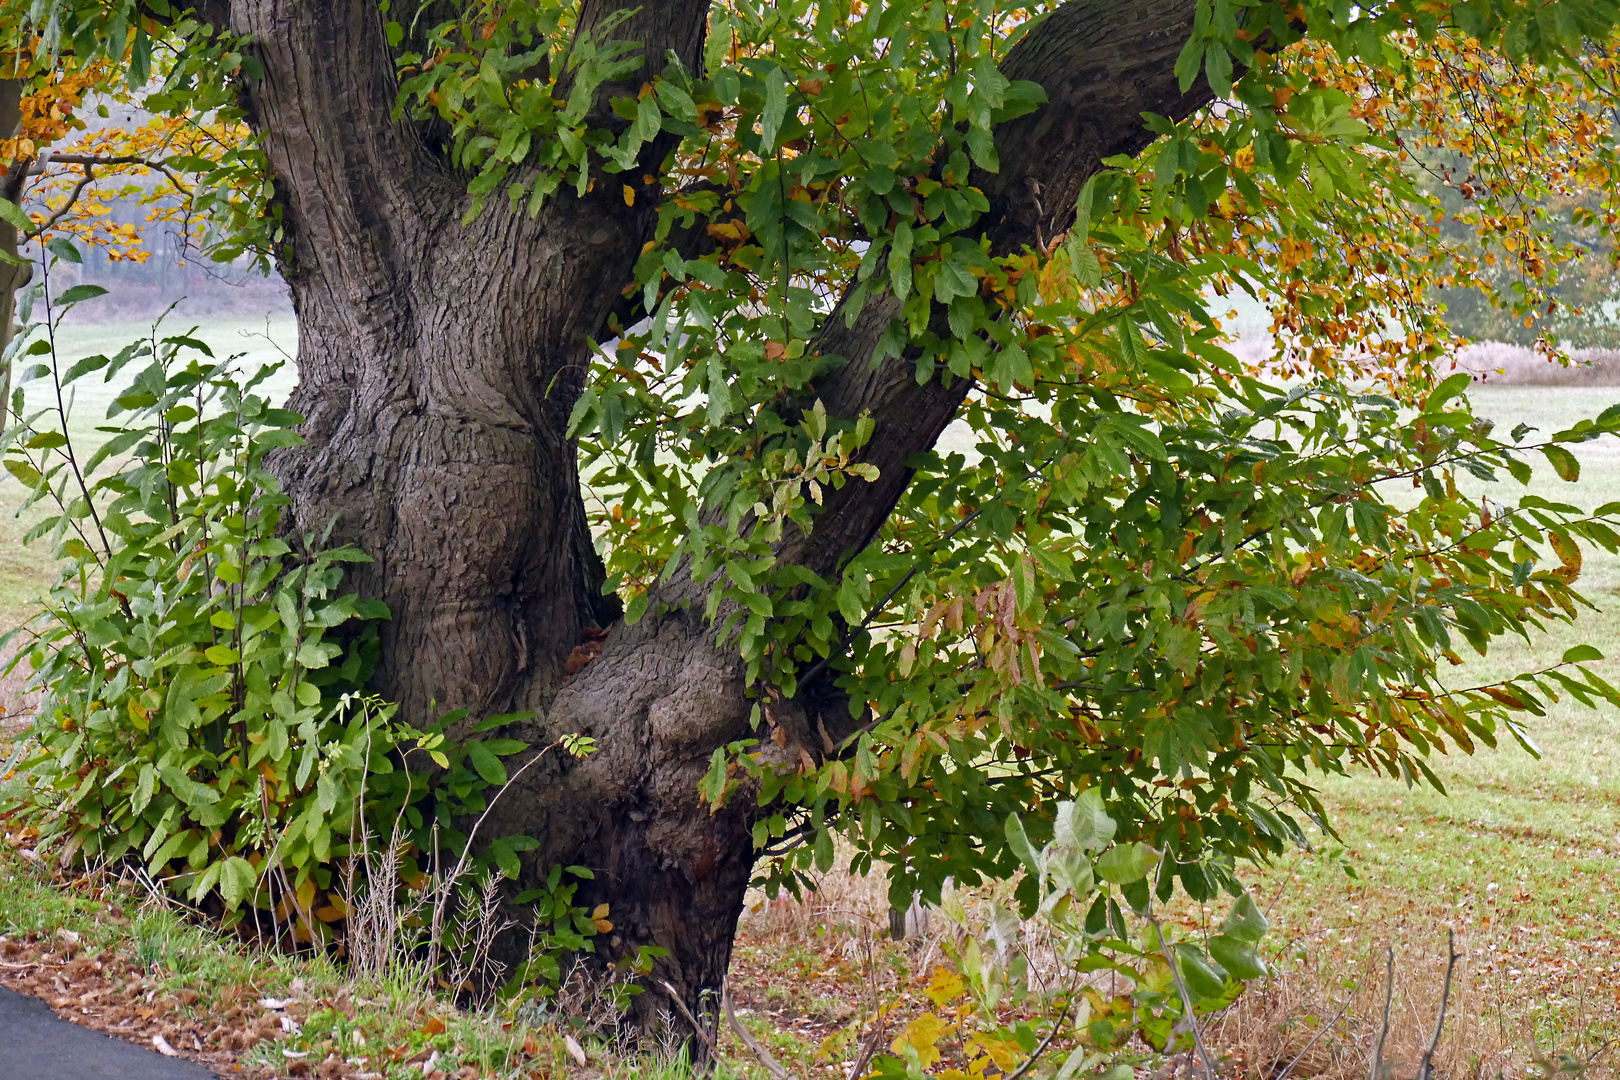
x: 200, y: 671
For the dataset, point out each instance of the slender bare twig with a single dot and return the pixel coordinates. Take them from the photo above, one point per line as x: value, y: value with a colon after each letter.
x: 754, y: 1047
x: 1186, y: 999
x: 868, y: 1047
x: 1377, y: 1064
x: 73, y: 197
x: 1329, y: 1026
x: 1057, y: 1026
x: 699, y: 1029
x: 1426, y: 1068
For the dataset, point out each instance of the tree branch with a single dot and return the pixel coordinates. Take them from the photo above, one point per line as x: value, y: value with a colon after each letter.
x: 1103, y: 64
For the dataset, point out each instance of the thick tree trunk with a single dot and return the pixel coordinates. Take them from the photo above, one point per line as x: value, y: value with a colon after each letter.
x: 438, y: 366
x: 12, y: 277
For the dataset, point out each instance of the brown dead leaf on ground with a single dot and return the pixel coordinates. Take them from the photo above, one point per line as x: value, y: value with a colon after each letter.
x: 109, y: 993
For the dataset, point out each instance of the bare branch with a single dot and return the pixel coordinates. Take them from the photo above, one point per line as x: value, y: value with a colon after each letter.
x: 1377, y: 1065
x: 701, y: 1031
x: 1046, y: 1043
x: 1186, y: 1000
x: 1323, y: 1030
x: 1426, y: 1068
x: 748, y: 1040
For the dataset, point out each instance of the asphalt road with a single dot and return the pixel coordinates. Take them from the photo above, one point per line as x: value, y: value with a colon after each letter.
x: 37, y: 1045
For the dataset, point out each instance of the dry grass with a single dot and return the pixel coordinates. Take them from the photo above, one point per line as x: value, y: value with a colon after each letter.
x: 1324, y: 1013
x: 1498, y: 364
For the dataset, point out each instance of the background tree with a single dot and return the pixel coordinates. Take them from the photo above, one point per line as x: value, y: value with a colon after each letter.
x: 632, y: 342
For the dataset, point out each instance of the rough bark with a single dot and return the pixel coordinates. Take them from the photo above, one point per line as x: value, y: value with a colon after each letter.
x: 12, y: 277
x: 439, y: 363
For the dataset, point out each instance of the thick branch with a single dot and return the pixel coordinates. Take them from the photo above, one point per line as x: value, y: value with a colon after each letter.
x: 1103, y: 63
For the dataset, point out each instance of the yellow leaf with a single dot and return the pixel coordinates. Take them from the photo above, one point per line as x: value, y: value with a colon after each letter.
x: 1569, y: 553
x: 629, y: 195
x: 921, y: 1035
x: 601, y: 912
x: 944, y: 986
x: 1004, y: 1052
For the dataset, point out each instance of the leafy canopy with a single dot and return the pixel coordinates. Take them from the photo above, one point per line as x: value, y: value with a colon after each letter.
x: 1137, y: 569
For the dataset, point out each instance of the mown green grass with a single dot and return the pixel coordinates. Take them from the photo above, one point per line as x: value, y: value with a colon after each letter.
x: 1519, y: 857
x: 25, y: 570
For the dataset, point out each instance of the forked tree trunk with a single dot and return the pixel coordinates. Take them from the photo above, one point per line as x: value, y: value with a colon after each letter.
x: 438, y: 366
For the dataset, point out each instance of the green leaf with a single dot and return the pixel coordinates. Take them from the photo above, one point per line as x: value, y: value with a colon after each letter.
x: 1564, y: 463
x: 63, y: 248
x: 1245, y: 921
x: 775, y: 110
x: 1084, y: 823
x: 1018, y: 840
x: 80, y: 293
x: 13, y: 215
x: 1126, y: 863
x: 1581, y: 654
x: 237, y: 881
x: 220, y: 654
x: 486, y: 764
x: 1447, y: 390
x: 1202, y: 982
x: 505, y: 858
x: 29, y: 476
x: 1239, y: 960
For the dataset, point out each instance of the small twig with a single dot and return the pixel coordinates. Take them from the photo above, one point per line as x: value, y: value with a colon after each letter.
x: 1426, y: 1068
x: 72, y: 200
x: 701, y: 1032
x: 1377, y: 1065
x: 748, y: 1040
x: 868, y: 1047
x: 1307, y: 1049
x: 1045, y: 1043
x: 1186, y: 1000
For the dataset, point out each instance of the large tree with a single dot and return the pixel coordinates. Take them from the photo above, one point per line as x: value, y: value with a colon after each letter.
x: 746, y: 266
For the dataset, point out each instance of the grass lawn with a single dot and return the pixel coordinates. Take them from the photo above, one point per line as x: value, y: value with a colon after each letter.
x: 1520, y: 858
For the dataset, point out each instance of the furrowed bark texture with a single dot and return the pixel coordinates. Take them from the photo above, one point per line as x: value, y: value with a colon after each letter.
x: 438, y: 366
x: 12, y: 277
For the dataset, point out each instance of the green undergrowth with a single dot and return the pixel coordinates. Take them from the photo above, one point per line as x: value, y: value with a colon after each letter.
x: 198, y: 973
